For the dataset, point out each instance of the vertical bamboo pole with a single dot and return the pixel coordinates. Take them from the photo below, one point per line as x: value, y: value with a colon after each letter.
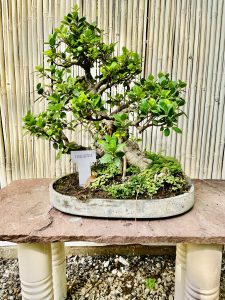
x: 219, y: 131
x: 158, y: 64
x: 57, y: 21
x: 111, y: 20
x: 142, y: 31
x: 198, y: 97
x: 105, y: 18
x: 222, y: 150
x: 51, y: 25
x: 19, y: 35
x: 40, y: 40
x: 11, y: 86
x: 6, y: 138
x: 148, y: 135
x: 189, y: 36
x: 129, y: 31
x: 134, y: 35
x: 46, y: 32
x: 171, y: 141
x: 35, y: 81
x: 213, y: 119
x: 194, y: 55
x: 156, y: 37
x: 181, y: 61
x: 26, y: 71
x: 208, y: 105
x: 123, y: 24
x: 3, y: 177
x: 203, y: 90
x: 100, y: 13
x: 30, y: 82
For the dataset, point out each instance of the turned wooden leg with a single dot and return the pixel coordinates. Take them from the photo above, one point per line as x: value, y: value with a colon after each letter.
x: 35, y: 269
x: 203, y: 270
x: 59, y: 271
x: 180, y: 271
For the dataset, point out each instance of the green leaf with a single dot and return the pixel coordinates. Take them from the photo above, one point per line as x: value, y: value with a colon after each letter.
x: 160, y: 74
x: 144, y: 106
x: 59, y: 154
x: 120, y: 147
x: 55, y: 146
x: 105, y: 146
x: 166, y: 132
x: 54, y: 96
x: 38, y: 86
x: 150, y: 77
x: 124, y: 117
x: 106, y: 158
x: 82, y: 19
x: 182, y: 84
x: 117, y: 162
x: 51, y: 42
x: 113, y: 145
x: 180, y: 102
x: 113, y: 64
x: 177, y: 130
x: 62, y: 115
x: 119, y: 154
x: 96, y: 101
x: 163, y: 80
x: 40, y: 91
x: 108, y: 138
x: 48, y: 52
x: 49, y: 132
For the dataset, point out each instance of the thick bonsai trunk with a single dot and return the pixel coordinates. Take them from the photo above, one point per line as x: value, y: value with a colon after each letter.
x: 135, y: 157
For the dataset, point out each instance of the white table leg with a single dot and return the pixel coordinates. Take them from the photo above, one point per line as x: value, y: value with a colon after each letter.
x: 35, y: 269
x: 180, y: 271
x: 59, y: 271
x: 203, y: 272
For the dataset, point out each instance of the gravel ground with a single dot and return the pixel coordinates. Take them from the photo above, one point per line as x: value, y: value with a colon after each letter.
x: 107, y: 278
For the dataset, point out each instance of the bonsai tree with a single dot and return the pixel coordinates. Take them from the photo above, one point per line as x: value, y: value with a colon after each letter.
x: 93, y: 98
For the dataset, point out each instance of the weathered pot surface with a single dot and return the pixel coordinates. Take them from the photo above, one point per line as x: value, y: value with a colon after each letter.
x: 123, y: 208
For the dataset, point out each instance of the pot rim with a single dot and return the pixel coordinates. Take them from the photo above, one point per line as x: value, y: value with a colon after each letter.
x: 191, y: 190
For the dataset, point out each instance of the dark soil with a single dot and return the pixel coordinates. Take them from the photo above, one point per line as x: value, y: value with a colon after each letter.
x: 69, y: 185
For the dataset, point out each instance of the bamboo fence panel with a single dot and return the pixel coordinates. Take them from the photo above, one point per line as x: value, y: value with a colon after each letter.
x: 185, y: 38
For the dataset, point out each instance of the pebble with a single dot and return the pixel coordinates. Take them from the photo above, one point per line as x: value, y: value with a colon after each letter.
x: 107, y: 278
x: 123, y: 261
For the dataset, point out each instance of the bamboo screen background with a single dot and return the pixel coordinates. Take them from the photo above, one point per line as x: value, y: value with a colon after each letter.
x: 185, y: 38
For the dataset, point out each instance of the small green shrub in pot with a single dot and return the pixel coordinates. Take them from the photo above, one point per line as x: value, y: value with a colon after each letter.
x: 94, y: 101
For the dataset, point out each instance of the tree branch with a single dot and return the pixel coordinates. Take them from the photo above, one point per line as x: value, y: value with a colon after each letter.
x: 147, y: 125
x: 64, y: 138
x: 120, y: 108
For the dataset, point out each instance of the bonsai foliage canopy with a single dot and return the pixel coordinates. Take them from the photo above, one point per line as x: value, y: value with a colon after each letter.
x: 93, y: 99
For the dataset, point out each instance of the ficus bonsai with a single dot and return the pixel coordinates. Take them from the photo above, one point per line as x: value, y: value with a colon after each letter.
x: 73, y: 100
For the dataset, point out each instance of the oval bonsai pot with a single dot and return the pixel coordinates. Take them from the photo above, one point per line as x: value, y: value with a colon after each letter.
x: 123, y: 208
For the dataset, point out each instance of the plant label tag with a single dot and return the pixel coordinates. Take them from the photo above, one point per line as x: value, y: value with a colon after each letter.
x: 84, y: 159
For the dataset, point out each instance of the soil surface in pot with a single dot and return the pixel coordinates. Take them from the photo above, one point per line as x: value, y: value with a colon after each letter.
x: 69, y: 185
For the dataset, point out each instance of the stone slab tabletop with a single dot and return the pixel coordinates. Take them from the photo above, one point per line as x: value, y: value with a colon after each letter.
x: 27, y: 216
